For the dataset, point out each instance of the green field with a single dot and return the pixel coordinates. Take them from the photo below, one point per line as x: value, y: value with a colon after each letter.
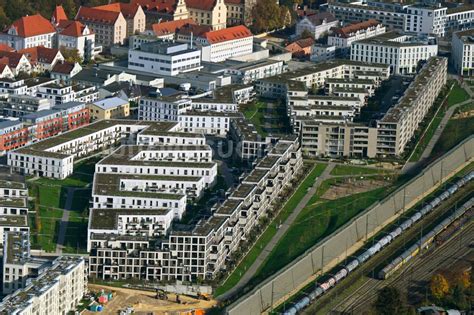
x: 268, y: 116
x: 271, y: 230
x: 317, y: 220
x: 456, y: 130
x: 355, y: 170
x: 457, y: 95
x: 44, y: 227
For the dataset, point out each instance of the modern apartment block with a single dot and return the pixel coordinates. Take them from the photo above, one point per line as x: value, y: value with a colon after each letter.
x: 418, y: 18
x: 123, y: 245
x: 390, y: 134
x: 402, y: 52
x: 57, y: 290
x: 316, y: 76
x: 247, y: 144
x: 462, y: 52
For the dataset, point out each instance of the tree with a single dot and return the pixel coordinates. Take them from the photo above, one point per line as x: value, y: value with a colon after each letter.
x: 70, y: 55
x: 439, y: 286
x: 388, y: 301
x: 306, y: 34
x: 4, y: 20
x: 459, y: 299
x: 463, y: 278
x: 70, y: 8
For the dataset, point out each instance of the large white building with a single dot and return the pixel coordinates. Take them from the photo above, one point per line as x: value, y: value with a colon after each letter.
x: 77, y: 36
x: 462, y: 52
x: 343, y: 37
x: 164, y: 57
x: 217, y: 46
x: 163, y: 108
x: 402, y: 52
x: 29, y: 31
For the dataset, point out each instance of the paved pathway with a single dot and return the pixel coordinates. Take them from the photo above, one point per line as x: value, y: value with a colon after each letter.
x: 279, y: 234
x: 427, y: 151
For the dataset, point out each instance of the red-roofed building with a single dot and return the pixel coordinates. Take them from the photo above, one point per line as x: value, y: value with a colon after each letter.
x: 64, y: 71
x: 17, y: 62
x: 133, y: 14
x: 223, y: 44
x: 110, y: 27
x: 167, y: 30
x: 29, y: 31
x: 208, y: 12
x: 5, y: 47
x: 343, y: 37
x: 157, y: 11
x: 6, y: 72
x: 301, y: 48
x: 41, y: 58
x: 58, y: 15
x: 191, y: 30
x: 78, y: 36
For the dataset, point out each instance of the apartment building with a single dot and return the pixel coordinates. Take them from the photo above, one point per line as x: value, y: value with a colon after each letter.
x: 208, y: 12
x: 109, y: 108
x: 462, y: 52
x: 217, y: 46
x: 198, y: 250
x: 317, y: 24
x: 19, y: 105
x: 110, y: 27
x: 64, y: 71
x: 235, y: 12
x: 163, y: 108
x: 56, y: 93
x: 248, y: 72
x: 29, y: 31
x: 247, y: 144
x: 207, y: 122
x: 316, y: 76
x: 321, y: 52
x: 133, y: 14
x: 77, y: 36
x: 343, y: 37
x: 57, y: 290
x: 390, y: 135
x: 54, y: 156
x: 402, y: 52
x: 164, y: 57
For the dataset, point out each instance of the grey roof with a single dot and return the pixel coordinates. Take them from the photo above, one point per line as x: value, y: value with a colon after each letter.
x: 67, y: 105
x: 109, y: 103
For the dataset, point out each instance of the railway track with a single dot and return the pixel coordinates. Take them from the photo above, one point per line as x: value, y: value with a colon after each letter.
x: 420, y: 269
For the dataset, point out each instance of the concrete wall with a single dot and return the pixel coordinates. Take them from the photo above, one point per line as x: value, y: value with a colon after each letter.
x: 351, y: 237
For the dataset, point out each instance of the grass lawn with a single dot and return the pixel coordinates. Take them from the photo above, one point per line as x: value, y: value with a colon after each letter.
x: 44, y: 228
x: 457, y: 95
x: 254, y: 112
x: 271, y: 230
x: 316, y: 221
x: 76, y: 233
x: 455, y: 131
x: 355, y: 170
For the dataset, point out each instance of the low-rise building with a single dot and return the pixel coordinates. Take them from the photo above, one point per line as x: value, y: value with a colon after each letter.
x: 109, y: 108
x: 322, y: 52
x: 301, y: 48
x: 462, y: 52
x: 64, y: 71
x: 164, y: 57
x: 402, y: 52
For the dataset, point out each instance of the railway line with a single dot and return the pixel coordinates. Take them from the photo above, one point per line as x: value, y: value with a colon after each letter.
x: 359, y: 277
x: 414, y: 275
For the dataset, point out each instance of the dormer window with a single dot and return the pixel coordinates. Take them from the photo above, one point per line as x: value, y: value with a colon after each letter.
x: 12, y: 31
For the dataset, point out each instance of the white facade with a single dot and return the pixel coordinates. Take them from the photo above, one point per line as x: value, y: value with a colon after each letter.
x: 209, y: 123
x: 322, y: 53
x: 162, y: 108
x: 342, y: 38
x: 83, y: 42
x: 166, y: 58
x: 402, y: 52
x: 217, y: 51
x: 58, y: 94
x: 462, y: 52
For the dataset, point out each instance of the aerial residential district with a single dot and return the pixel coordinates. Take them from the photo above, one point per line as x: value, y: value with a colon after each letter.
x: 236, y: 157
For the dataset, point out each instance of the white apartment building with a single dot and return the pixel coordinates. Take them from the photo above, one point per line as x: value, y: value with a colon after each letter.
x: 402, y: 52
x: 57, y: 290
x: 207, y: 122
x: 426, y: 19
x: 462, y: 52
x: 343, y: 37
x: 78, y: 36
x: 54, y: 157
x: 20, y: 105
x: 29, y: 31
x: 320, y: 52
x: 164, y: 57
x: 56, y: 93
x: 163, y: 108
x: 317, y: 24
x: 248, y: 72
x: 217, y: 46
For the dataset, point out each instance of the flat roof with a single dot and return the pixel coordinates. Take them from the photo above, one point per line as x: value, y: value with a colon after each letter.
x: 107, y: 219
x: 13, y: 220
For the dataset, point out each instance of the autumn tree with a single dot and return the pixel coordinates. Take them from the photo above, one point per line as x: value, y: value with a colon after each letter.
x: 463, y: 278
x: 267, y: 15
x: 70, y: 55
x: 388, y: 301
x: 439, y: 286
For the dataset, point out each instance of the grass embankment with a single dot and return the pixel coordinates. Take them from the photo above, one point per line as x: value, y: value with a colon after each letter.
x: 348, y: 170
x: 271, y: 230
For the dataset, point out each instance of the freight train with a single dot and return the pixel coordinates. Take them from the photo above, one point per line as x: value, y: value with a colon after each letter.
x: 320, y: 289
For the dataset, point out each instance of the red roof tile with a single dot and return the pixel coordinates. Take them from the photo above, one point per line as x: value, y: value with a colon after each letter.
x: 59, y: 14
x: 63, y: 67
x: 205, y: 5
x: 5, y: 47
x: 96, y: 15
x: 197, y: 30
x: 234, y: 1
x: 32, y: 25
x: 305, y: 42
x: 3, y: 66
x: 12, y: 59
x: 170, y: 27
x: 163, y: 6
x: 352, y: 28
x: 227, y: 34
x: 128, y: 9
x: 75, y: 29
x: 40, y: 54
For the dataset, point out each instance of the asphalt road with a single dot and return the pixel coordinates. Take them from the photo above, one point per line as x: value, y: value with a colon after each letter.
x: 414, y: 278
